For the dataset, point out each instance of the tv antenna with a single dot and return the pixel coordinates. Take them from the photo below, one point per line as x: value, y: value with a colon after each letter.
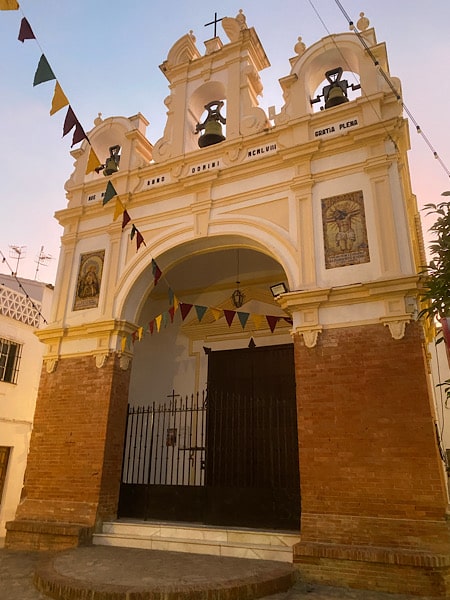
x: 42, y: 259
x: 17, y: 252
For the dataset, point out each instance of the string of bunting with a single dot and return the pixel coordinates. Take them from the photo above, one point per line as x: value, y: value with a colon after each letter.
x: 44, y: 73
x: 175, y: 304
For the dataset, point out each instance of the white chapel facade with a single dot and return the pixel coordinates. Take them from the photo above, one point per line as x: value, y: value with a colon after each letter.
x: 315, y: 202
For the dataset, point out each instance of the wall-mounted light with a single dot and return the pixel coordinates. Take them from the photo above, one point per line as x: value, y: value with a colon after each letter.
x: 278, y: 288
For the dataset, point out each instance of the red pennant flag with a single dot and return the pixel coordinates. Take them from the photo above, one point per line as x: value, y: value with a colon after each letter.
x: 288, y: 320
x: 156, y: 272
x: 151, y: 326
x: 185, y: 308
x: 172, y: 313
x: 125, y: 219
x: 272, y: 321
x: 70, y: 122
x: 139, y: 240
x: 229, y: 316
x: 133, y: 336
x: 25, y: 33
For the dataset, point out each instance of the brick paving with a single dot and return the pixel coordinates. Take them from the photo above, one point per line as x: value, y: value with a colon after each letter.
x: 108, y: 569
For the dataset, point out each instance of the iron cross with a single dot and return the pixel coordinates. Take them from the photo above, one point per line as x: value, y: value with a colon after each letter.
x: 216, y: 20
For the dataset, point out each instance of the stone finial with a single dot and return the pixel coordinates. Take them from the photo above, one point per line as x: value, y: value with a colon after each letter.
x: 299, y: 47
x: 191, y: 33
x: 240, y: 18
x: 363, y: 22
x: 98, y: 120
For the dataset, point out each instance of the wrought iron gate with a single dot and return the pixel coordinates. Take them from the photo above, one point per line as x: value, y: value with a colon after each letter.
x: 225, y: 459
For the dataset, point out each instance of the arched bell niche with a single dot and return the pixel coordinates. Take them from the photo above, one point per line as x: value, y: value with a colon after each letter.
x: 207, y: 94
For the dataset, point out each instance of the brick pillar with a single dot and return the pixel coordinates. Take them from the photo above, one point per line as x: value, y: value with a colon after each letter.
x: 374, y: 500
x: 73, y: 472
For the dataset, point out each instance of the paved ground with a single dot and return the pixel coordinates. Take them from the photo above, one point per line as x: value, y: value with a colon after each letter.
x: 117, y: 566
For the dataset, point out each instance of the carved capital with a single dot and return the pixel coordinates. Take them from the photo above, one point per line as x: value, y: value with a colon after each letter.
x: 51, y: 364
x: 100, y: 360
x: 124, y: 362
x: 310, y: 336
x: 397, y: 328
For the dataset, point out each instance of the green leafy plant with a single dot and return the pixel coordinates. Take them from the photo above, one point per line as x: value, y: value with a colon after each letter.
x: 436, y: 276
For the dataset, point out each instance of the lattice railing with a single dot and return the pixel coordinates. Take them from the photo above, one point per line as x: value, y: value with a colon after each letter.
x: 17, y: 306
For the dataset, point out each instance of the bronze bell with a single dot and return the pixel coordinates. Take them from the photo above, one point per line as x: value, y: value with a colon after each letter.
x: 211, y: 125
x: 335, y: 97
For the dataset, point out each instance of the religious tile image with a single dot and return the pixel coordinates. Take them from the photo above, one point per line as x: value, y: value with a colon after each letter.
x: 89, y: 280
x: 344, y: 230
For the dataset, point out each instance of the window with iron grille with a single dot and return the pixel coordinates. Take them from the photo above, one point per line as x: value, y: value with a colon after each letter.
x: 10, y: 353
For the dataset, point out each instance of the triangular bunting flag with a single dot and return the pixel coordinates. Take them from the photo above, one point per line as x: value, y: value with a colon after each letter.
x: 139, y: 240
x: 140, y: 333
x: 25, y: 33
x: 133, y: 231
x: 158, y: 320
x: 109, y: 193
x: 126, y: 219
x: 43, y: 73
x: 69, y: 122
x: 93, y: 162
x: 229, y: 316
x: 78, y: 134
x: 165, y: 318
x: 119, y: 209
x: 185, y: 308
x: 216, y: 313
x: 272, y: 321
x: 156, y: 272
x: 243, y: 318
x: 171, y: 296
x: 200, y: 310
x: 288, y: 320
x: 9, y: 5
x: 176, y: 304
x: 171, y: 313
x: 59, y: 101
x: 151, y: 326
x: 123, y: 343
x: 258, y: 320
x: 133, y: 336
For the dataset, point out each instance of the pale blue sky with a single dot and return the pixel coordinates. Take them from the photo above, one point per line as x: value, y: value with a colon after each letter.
x: 106, y: 57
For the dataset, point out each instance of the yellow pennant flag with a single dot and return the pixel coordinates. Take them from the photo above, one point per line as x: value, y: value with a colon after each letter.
x: 258, y: 320
x: 140, y: 333
x: 59, y: 99
x: 176, y: 304
x: 216, y: 313
x: 158, y: 320
x: 123, y: 343
x: 9, y: 5
x: 119, y: 209
x: 93, y: 162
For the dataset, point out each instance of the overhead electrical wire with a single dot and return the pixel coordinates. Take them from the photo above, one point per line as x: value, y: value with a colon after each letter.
x: 390, y: 84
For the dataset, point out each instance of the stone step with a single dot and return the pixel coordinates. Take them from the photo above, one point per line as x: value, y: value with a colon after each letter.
x: 199, y: 539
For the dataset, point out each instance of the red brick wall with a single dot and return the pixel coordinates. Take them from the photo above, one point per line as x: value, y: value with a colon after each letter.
x: 73, y: 470
x: 369, y: 464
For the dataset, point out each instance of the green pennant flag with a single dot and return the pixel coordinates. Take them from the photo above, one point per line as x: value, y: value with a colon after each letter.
x: 109, y: 193
x: 243, y: 318
x: 43, y: 72
x: 200, y: 310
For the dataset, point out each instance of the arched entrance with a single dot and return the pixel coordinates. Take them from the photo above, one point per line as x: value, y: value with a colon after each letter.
x: 212, y: 428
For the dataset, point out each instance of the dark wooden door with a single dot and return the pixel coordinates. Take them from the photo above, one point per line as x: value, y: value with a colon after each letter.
x: 252, y: 473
